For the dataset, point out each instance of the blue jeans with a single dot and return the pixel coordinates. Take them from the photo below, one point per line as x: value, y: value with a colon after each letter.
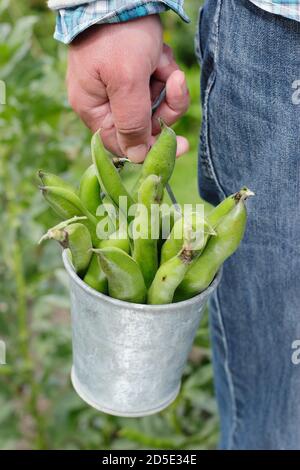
x: 250, y: 136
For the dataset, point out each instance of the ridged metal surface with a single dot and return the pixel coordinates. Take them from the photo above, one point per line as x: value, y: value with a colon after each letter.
x: 128, y: 359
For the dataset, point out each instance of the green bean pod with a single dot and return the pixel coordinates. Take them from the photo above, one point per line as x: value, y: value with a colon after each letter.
x: 161, y: 158
x: 77, y: 238
x: 174, y: 243
x: 49, y: 179
x: 230, y: 232
x: 145, y: 251
x: 118, y: 239
x: 62, y: 225
x: 108, y: 175
x: 95, y: 276
x: 90, y: 190
x: 67, y: 204
x: 171, y: 274
x: 125, y: 279
x: 222, y: 209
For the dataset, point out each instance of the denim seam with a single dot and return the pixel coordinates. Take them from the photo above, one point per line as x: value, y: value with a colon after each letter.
x: 210, y: 165
x: 207, y: 153
x: 198, y: 48
x: 216, y: 29
x: 228, y: 374
x: 210, y: 83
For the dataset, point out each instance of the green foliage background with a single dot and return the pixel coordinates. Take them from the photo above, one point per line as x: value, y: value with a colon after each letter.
x: 38, y: 407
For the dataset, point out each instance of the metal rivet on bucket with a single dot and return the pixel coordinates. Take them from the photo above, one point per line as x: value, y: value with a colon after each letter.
x: 128, y: 359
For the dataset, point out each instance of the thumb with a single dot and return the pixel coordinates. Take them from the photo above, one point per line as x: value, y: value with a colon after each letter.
x: 130, y: 104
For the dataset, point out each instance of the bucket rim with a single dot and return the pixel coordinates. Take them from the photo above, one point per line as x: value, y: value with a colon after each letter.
x: 200, y: 298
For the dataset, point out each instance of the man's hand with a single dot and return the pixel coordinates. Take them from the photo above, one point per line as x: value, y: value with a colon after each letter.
x: 115, y: 73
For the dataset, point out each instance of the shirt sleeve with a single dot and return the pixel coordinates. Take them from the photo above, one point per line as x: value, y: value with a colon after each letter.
x: 73, y: 18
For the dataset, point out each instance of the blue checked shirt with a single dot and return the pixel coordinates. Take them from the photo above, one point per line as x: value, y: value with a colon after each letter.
x: 74, y: 16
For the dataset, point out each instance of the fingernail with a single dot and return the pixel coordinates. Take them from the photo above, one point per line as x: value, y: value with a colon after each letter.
x: 137, y: 154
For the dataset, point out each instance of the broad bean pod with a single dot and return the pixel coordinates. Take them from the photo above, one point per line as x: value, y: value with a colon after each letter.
x: 50, y: 179
x: 95, y: 276
x: 173, y: 244
x: 75, y: 237
x: 171, y: 274
x: 125, y: 279
x: 161, y: 158
x: 67, y: 204
x: 145, y: 250
x: 90, y: 190
x: 230, y: 232
x: 118, y: 239
x: 222, y: 209
x: 108, y: 175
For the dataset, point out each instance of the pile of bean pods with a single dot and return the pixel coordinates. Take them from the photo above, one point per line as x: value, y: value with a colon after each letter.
x: 145, y: 268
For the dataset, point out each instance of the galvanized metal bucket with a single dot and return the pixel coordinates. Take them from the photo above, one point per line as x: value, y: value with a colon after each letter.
x: 128, y: 359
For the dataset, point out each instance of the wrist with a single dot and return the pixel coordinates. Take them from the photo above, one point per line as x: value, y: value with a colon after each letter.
x: 73, y: 21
